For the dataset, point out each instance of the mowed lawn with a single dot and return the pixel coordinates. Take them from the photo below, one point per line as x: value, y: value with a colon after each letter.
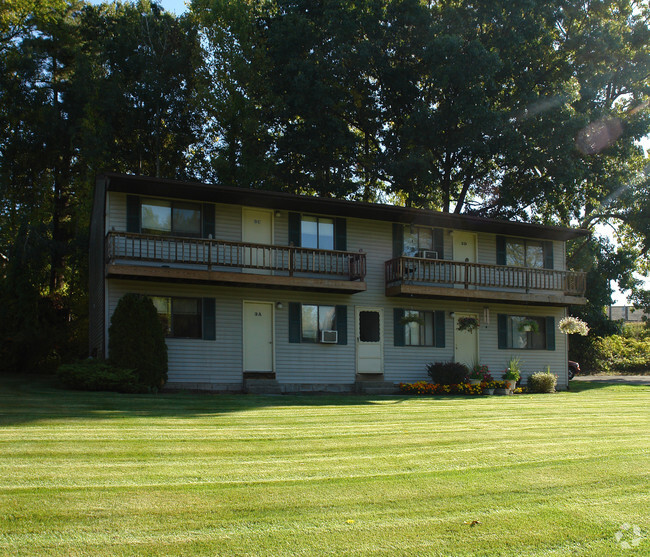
x: 197, y: 474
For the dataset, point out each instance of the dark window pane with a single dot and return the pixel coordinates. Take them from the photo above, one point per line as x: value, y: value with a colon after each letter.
x: 309, y: 232
x: 309, y: 323
x: 186, y: 318
x: 163, y: 306
x: 187, y: 219
x: 326, y: 318
x: 156, y: 216
x: 369, y: 326
x: 326, y: 233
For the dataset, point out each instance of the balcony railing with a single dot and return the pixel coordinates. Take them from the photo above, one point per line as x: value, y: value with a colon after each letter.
x: 214, y: 254
x: 456, y: 274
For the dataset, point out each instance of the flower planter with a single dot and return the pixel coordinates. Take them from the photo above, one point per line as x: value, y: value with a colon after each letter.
x: 474, y: 382
x: 511, y: 384
x: 488, y: 391
x: 503, y: 391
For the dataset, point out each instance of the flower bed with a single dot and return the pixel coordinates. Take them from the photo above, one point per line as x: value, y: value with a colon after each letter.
x: 424, y: 388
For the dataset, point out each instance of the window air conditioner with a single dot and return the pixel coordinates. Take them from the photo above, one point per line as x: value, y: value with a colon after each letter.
x: 329, y: 337
x: 428, y: 254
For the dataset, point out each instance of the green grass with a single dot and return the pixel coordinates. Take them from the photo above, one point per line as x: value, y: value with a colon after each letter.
x: 184, y: 474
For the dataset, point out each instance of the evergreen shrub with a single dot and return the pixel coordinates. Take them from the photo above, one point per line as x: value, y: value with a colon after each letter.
x: 447, y: 373
x: 136, y: 340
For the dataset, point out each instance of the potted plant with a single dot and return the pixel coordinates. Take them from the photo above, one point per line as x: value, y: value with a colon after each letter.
x: 529, y: 325
x: 512, y: 374
x: 479, y: 374
x: 411, y: 318
x: 489, y: 386
x: 467, y: 324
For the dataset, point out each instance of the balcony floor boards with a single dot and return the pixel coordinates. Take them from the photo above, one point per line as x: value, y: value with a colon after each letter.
x: 226, y: 278
x: 477, y: 295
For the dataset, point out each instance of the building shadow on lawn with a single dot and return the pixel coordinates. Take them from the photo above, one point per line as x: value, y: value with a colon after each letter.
x: 26, y: 398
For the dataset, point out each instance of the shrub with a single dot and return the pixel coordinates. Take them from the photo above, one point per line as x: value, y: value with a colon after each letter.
x: 136, y: 340
x: 99, y: 375
x: 542, y: 382
x: 618, y: 353
x: 448, y: 373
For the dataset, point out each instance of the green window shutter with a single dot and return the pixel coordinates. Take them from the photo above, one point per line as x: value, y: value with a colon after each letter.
x: 398, y: 327
x: 209, y: 319
x: 502, y: 328
x: 548, y: 255
x: 439, y: 242
x: 439, y: 328
x: 294, y: 322
x: 132, y: 213
x: 398, y: 240
x: 208, y: 220
x: 550, y: 333
x: 501, y: 250
x: 340, y: 235
x: 294, y: 230
x: 342, y: 324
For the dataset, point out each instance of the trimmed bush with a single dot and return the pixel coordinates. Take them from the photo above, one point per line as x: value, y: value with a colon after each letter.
x: 136, y: 340
x: 447, y: 373
x: 542, y: 382
x: 99, y: 375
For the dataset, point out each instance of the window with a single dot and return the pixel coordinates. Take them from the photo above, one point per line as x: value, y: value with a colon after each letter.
x: 418, y: 241
x: 418, y: 328
x: 315, y: 319
x: 413, y: 327
x: 317, y: 233
x: 308, y: 321
x: 519, y: 252
x: 160, y: 216
x: 522, y: 332
x: 180, y: 317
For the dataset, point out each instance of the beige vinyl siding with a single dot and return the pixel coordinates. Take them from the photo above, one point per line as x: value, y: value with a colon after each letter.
x: 115, y: 211
x: 221, y: 361
x: 228, y: 225
x: 195, y: 360
x: 531, y: 360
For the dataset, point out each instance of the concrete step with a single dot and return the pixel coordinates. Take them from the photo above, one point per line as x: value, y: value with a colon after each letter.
x: 262, y: 387
x: 381, y: 391
x: 376, y: 388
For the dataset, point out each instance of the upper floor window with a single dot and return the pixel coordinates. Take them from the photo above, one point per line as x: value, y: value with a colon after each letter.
x: 178, y: 218
x: 418, y: 241
x: 521, y: 252
x: 317, y: 232
x: 180, y: 317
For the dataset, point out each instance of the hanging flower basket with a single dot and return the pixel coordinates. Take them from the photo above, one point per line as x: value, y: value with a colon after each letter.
x: 573, y: 326
x: 467, y: 324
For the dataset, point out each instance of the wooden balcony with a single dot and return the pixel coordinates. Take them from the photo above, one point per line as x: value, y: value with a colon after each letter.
x: 411, y: 276
x: 199, y: 260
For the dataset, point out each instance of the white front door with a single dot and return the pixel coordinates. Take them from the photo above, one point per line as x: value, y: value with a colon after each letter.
x: 370, y: 341
x: 258, y: 336
x: 257, y: 228
x: 465, y: 251
x: 465, y: 342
